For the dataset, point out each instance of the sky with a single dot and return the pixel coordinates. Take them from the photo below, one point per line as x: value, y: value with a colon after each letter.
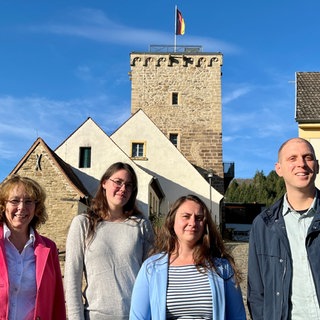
x: 64, y: 61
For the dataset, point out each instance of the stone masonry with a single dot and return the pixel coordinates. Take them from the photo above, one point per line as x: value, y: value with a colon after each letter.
x: 62, y: 199
x: 239, y: 251
x: 196, y: 116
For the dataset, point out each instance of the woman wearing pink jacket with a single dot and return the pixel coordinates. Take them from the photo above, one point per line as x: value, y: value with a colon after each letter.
x: 30, y: 278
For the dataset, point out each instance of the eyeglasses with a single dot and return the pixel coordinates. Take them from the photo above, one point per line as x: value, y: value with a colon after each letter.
x: 27, y: 203
x: 119, y: 183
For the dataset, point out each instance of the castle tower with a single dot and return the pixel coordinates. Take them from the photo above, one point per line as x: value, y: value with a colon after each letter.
x: 181, y: 93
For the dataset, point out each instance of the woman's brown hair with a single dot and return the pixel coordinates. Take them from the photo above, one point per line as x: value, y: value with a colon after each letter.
x: 99, y: 207
x: 209, y: 246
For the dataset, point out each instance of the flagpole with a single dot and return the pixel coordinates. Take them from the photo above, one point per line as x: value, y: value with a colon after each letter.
x: 175, y: 28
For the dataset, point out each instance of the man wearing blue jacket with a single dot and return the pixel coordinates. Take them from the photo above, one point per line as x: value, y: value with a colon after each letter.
x: 284, y: 246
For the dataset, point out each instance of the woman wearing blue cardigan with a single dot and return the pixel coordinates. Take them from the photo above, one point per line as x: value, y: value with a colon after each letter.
x: 190, y: 275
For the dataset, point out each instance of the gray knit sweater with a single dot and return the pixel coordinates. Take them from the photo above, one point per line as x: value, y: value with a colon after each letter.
x: 109, y: 264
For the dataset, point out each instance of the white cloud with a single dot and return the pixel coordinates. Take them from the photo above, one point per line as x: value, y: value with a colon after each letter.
x: 236, y: 93
x: 55, y: 120
x: 94, y: 25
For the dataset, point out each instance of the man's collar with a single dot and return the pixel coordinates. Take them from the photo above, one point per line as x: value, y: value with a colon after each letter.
x: 287, y: 208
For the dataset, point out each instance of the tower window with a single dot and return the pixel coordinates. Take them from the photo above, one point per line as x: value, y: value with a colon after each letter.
x: 175, y: 100
x: 85, y: 157
x: 138, y: 150
x: 173, y: 137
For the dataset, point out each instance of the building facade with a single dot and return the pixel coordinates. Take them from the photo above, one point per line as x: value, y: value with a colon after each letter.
x: 181, y: 93
x: 307, y: 113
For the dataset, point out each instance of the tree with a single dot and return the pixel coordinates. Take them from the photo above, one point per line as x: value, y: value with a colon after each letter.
x: 261, y: 189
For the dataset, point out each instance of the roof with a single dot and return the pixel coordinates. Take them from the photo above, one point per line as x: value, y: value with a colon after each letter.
x: 307, y: 97
x: 89, y: 119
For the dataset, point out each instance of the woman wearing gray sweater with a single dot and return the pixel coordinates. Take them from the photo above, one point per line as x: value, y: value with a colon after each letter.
x: 106, y: 247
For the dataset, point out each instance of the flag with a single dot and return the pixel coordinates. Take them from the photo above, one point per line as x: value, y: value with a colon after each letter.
x: 180, y: 25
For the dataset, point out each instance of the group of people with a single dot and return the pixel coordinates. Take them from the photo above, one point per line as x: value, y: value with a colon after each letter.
x: 117, y: 268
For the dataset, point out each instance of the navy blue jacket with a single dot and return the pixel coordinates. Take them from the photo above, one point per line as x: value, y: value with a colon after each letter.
x: 270, y: 263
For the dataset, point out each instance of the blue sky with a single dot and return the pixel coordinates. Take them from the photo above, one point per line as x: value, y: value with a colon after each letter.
x: 63, y: 61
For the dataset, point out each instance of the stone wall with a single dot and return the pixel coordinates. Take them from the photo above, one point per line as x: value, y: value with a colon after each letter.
x: 239, y: 250
x: 196, y: 118
x: 62, y: 200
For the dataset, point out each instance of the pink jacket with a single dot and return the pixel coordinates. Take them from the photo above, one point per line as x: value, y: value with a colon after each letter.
x: 50, y: 303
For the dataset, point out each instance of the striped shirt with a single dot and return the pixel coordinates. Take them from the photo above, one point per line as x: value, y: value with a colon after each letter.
x: 188, y: 294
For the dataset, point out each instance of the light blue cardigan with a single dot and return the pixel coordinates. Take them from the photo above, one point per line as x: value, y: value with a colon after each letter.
x: 149, y: 292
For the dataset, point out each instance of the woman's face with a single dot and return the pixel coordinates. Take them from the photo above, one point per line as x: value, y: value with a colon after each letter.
x: 188, y: 223
x: 118, y: 189
x: 19, y: 209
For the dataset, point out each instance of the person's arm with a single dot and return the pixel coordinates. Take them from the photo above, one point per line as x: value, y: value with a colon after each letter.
x: 74, y: 269
x: 148, y: 238
x: 234, y: 301
x: 59, y: 307
x: 255, y: 293
x: 140, y: 300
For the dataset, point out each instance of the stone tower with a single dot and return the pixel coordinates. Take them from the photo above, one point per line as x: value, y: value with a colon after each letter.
x: 181, y: 93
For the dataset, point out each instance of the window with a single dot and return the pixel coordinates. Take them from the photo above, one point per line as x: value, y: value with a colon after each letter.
x: 173, y: 137
x: 175, y: 98
x: 85, y: 157
x: 138, y: 150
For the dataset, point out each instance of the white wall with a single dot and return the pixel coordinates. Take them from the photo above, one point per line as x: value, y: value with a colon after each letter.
x: 316, y: 145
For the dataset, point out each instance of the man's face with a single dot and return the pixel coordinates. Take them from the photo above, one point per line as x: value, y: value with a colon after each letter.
x: 297, y: 165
